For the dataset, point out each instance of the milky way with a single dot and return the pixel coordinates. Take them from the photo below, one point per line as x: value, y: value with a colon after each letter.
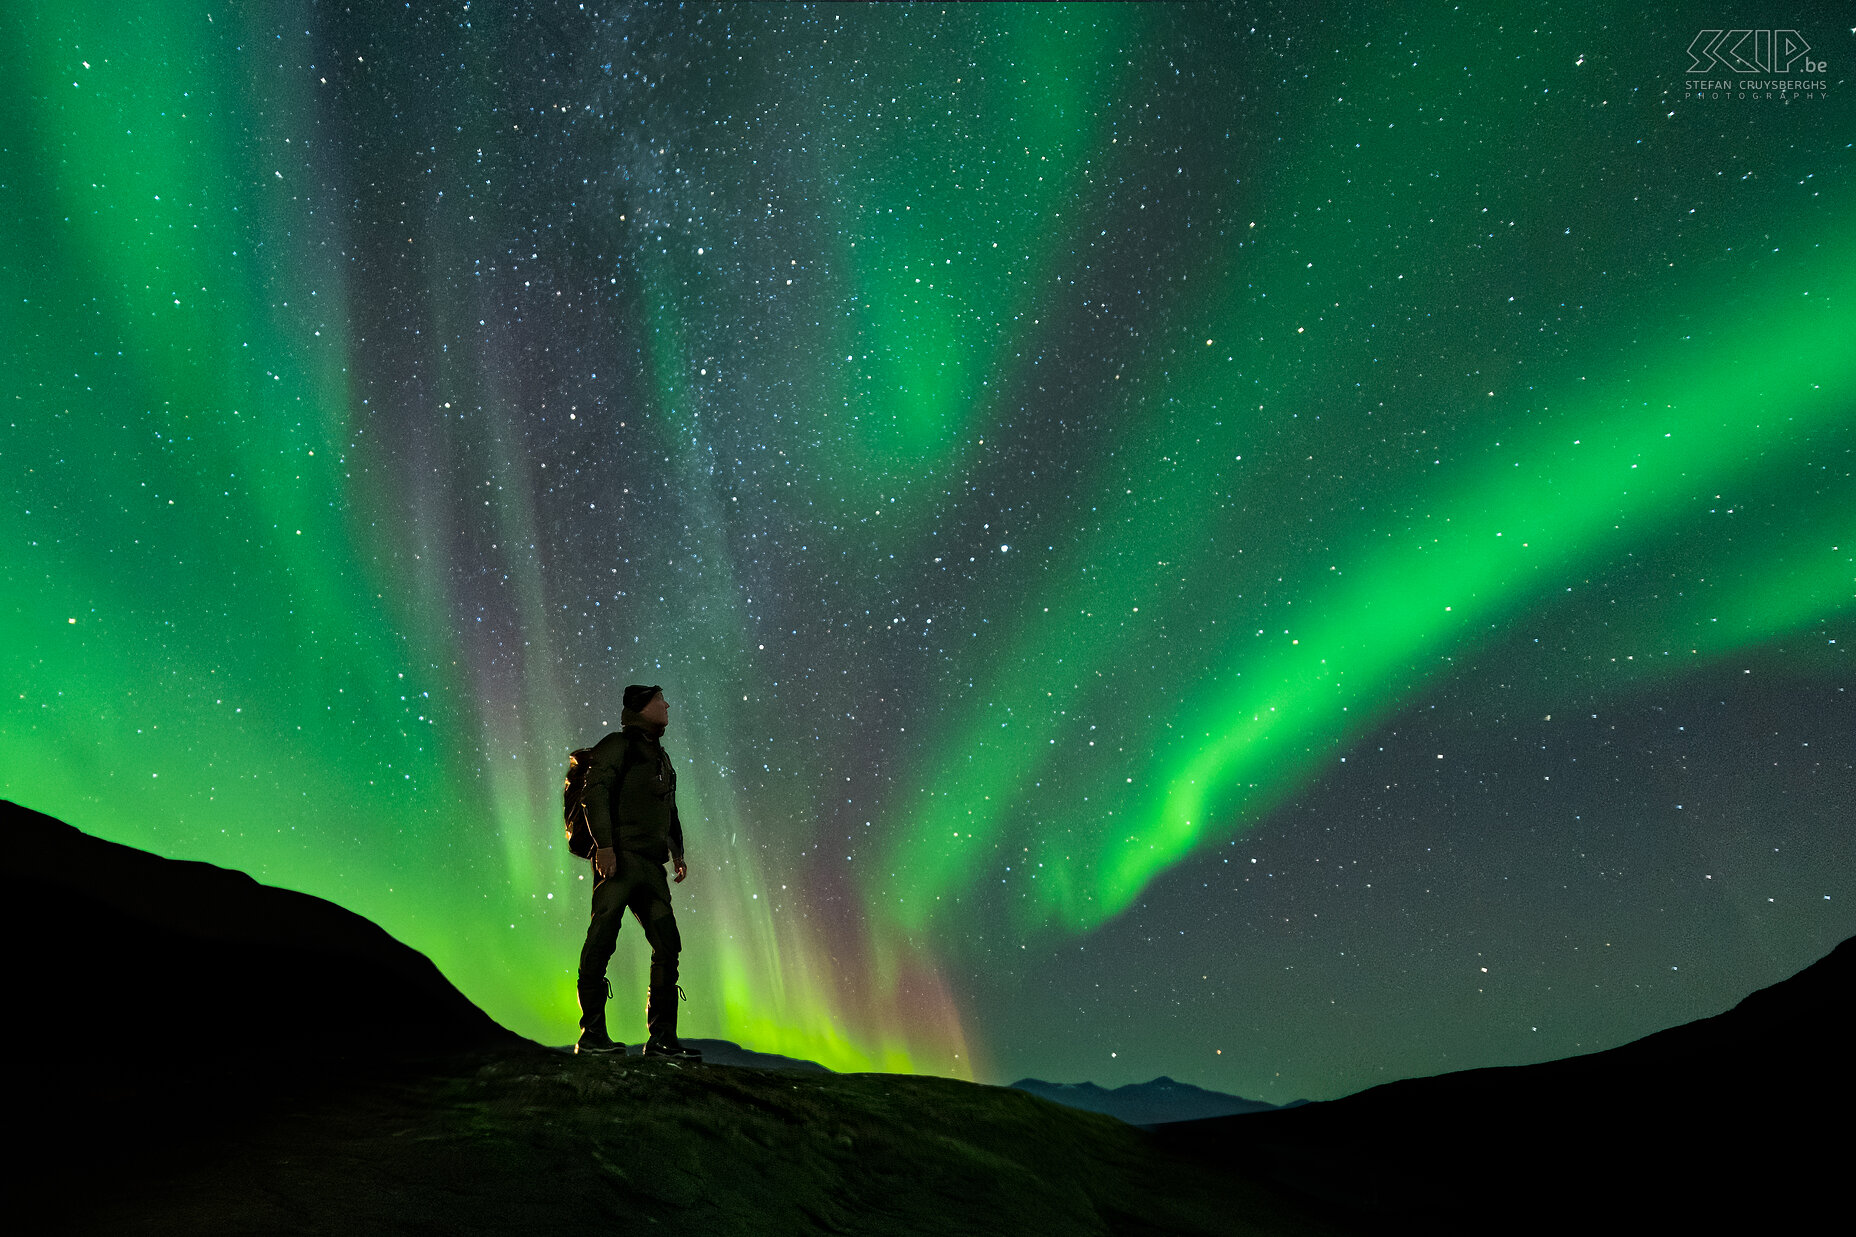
x: 1285, y: 551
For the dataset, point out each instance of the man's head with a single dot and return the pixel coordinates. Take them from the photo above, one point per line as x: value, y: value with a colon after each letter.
x: 648, y: 703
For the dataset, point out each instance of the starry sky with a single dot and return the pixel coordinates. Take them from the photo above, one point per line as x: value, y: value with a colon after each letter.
x: 1284, y: 547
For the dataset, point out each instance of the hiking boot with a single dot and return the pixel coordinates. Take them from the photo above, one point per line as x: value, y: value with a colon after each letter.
x: 593, y: 1037
x: 660, y: 1015
x: 597, y: 1042
x: 671, y: 1050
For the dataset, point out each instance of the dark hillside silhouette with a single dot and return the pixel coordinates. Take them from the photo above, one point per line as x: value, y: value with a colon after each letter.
x: 284, y: 1065
x: 123, y: 953
x: 1742, y: 1118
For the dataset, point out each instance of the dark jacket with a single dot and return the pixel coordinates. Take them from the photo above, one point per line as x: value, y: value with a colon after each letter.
x: 639, y: 812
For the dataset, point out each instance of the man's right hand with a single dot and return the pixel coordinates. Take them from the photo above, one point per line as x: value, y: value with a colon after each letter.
x: 605, y: 861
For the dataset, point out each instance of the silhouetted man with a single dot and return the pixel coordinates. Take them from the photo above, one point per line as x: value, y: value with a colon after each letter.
x: 631, y: 808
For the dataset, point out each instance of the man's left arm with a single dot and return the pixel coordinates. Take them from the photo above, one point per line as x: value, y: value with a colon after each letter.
x: 676, y: 843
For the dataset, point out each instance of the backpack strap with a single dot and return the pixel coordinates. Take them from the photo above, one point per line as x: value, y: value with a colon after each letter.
x: 627, y: 758
x: 631, y: 756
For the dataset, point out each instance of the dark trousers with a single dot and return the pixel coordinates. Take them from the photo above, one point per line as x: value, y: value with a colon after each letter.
x: 639, y: 886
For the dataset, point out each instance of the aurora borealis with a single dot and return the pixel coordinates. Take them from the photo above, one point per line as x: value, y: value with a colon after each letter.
x: 1282, y: 548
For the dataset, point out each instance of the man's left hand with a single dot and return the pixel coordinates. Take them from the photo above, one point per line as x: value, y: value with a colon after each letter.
x: 682, y: 868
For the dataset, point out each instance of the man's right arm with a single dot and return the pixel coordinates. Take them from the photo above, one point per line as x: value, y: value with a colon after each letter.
x: 601, y: 789
x: 597, y: 798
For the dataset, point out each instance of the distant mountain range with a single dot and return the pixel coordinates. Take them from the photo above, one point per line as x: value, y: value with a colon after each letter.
x: 1148, y: 1103
x: 1141, y: 1103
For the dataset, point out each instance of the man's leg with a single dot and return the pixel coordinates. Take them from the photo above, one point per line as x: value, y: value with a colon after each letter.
x: 602, y: 936
x: 660, y: 929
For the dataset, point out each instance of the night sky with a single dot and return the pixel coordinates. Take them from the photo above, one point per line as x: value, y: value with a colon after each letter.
x: 1288, y: 548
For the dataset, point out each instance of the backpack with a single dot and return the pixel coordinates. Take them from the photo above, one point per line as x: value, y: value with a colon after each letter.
x: 580, y: 840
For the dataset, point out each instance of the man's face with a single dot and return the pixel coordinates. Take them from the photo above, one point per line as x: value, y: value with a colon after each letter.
x: 658, y: 711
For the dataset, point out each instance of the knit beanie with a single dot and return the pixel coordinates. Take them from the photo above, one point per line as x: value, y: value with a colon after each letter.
x: 637, y: 696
